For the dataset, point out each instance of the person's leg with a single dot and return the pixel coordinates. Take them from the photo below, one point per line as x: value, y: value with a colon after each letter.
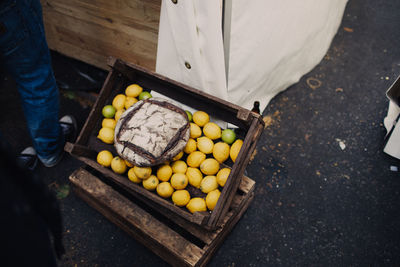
x: 26, y: 56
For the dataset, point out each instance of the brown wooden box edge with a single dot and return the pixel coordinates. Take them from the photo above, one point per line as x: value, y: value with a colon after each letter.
x: 167, y: 239
x: 123, y: 73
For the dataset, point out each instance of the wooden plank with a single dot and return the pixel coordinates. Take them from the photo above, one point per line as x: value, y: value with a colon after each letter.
x: 141, y: 225
x: 160, y: 238
x: 190, y: 96
x: 225, y: 230
x: 236, y: 173
x: 91, y: 29
x: 95, y: 114
x: 163, y: 205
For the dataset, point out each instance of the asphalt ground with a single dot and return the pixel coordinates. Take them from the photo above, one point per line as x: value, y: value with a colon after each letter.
x: 325, y: 192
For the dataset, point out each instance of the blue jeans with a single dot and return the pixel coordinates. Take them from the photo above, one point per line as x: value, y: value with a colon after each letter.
x: 25, y: 54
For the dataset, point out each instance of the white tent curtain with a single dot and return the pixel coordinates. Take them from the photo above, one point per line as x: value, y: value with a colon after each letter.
x: 272, y: 44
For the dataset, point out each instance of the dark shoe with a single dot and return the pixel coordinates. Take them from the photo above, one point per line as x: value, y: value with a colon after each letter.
x: 27, y: 159
x: 69, y: 128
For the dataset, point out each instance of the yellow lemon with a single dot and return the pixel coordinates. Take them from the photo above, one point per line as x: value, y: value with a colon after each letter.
x: 212, y: 199
x: 194, y: 176
x: 133, y: 90
x: 118, y: 165
x: 130, y: 165
x: 200, y: 118
x: 164, y: 172
x: 132, y: 176
x: 195, y: 159
x: 209, y: 166
x: 106, y: 135
x: 212, y: 130
x: 208, y: 184
x: 180, y: 197
x: 196, y: 204
x: 164, y: 189
x: 195, y: 131
x: 178, y: 156
x: 104, y: 158
x: 179, y: 181
x: 235, y: 149
x: 205, y: 144
x: 109, y: 123
x: 150, y: 183
x: 118, y: 114
x: 222, y: 176
x: 119, y: 101
x: 221, y: 151
x: 130, y: 101
x: 190, y: 146
x: 179, y: 166
x: 142, y: 172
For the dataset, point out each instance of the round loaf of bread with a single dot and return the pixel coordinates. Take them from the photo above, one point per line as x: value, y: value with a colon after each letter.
x: 151, y: 132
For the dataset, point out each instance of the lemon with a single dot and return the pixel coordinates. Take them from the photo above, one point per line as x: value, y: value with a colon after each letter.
x: 106, y: 135
x: 196, y: 204
x: 133, y: 90
x: 109, y: 123
x: 142, y: 172
x: 119, y: 101
x: 212, y: 199
x: 194, y: 176
x: 208, y: 184
x: 180, y: 197
x: 221, y: 151
x: 130, y: 165
x: 104, y: 158
x: 150, y: 183
x: 164, y: 189
x: 212, y: 130
x: 118, y: 165
x: 164, y: 172
x: 130, y: 101
x: 179, y: 166
x: 235, y: 149
x: 222, y: 176
x: 190, y: 146
x: 195, y: 131
x: 200, y: 118
x: 195, y: 159
x: 209, y: 166
x: 118, y: 114
x: 178, y: 156
x: 205, y: 144
x: 179, y: 180
x: 132, y: 176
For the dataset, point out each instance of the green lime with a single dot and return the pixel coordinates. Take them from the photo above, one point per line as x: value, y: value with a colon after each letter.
x: 108, y: 111
x: 228, y: 136
x: 189, y: 114
x: 144, y: 95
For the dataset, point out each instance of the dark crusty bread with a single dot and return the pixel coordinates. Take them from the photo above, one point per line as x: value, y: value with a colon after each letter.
x: 151, y: 132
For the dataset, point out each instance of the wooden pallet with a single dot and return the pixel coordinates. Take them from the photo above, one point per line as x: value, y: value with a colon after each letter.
x: 178, y: 242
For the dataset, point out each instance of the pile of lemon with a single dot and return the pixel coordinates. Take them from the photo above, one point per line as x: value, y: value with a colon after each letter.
x: 198, y: 165
x: 120, y: 103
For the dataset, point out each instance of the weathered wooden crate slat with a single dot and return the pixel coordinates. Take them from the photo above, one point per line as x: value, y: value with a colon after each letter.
x: 164, y: 239
x: 121, y: 74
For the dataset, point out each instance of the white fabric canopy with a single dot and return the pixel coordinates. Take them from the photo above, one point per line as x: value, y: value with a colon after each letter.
x: 271, y: 44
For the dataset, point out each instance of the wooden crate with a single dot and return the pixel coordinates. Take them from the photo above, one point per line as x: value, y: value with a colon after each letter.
x: 92, y: 30
x: 122, y: 74
x: 178, y: 242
